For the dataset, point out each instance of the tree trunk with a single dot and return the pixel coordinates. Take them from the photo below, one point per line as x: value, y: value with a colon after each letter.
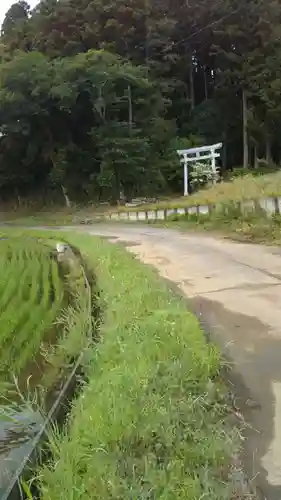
x: 130, y: 114
x: 191, y: 84
x: 66, y: 197
x: 224, y: 153
x: 206, y: 82
x: 147, y: 36
x: 268, y: 155
x: 256, y: 163
x: 245, y: 131
x: 117, y: 187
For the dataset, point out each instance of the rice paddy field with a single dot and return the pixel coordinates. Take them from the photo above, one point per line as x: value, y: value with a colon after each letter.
x: 31, y: 298
x: 45, y: 327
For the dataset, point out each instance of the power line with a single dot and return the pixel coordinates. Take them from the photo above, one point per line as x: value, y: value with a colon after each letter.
x: 186, y: 39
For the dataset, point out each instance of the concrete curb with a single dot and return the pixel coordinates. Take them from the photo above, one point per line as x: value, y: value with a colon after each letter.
x: 270, y: 205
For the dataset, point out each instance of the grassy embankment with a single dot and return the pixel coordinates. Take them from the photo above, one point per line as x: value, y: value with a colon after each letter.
x: 151, y: 420
x: 249, y: 227
x: 226, y: 218
x: 248, y: 187
x: 239, y: 189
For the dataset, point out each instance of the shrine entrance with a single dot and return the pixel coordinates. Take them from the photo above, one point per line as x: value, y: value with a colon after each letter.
x: 205, y: 154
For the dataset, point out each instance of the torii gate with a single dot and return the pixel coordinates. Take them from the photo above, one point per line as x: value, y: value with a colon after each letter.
x: 196, y: 155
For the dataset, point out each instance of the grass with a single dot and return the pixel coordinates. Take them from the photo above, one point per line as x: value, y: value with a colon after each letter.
x: 61, y: 217
x: 247, y: 187
x: 151, y: 422
x: 54, y: 216
x: 248, y: 227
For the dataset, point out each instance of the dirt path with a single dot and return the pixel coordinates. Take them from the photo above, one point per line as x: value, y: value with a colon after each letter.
x: 235, y: 289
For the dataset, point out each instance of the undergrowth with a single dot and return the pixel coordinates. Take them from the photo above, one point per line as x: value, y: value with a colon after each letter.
x: 248, y: 187
x: 256, y: 227
x: 252, y: 186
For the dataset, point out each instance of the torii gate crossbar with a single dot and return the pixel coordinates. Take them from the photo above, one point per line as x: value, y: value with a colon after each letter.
x: 193, y: 155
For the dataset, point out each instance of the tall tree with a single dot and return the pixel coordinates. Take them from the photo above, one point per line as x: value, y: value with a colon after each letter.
x: 17, y: 14
x: 77, y: 123
x: 122, y: 79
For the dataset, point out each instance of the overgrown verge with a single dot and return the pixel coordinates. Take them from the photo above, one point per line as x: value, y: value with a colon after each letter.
x: 252, y: 227
x: 151, y: 423
x: 248, y: 187
x: 235, y: 189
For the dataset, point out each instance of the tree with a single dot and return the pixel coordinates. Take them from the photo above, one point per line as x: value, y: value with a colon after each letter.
x: 16, y: 16
x: 107, y: 88
x: 58, y: 109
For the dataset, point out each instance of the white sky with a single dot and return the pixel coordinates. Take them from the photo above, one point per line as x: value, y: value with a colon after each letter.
x: 6, y: 4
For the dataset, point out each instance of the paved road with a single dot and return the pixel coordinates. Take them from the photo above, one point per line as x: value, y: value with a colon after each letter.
x: 235, y: 289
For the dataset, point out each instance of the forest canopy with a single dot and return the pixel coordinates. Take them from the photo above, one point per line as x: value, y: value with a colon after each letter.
x: 97, y: 95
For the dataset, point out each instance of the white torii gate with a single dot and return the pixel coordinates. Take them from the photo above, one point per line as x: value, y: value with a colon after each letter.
x: 196, y: 155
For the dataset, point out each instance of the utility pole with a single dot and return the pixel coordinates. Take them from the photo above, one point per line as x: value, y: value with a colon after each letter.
x: 245, y: 130
x: 130, y: 109
x: 147, y: 35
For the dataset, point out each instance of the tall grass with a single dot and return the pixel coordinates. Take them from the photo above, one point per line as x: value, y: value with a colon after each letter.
x: 251, y: 226
x: 248, y: 187
x: 151, y: 422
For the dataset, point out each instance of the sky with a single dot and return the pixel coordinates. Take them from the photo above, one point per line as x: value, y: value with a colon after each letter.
x: 6, y: 4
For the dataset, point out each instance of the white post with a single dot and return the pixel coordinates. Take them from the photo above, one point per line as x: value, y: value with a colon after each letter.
x: 185, y: 176
x: 213, y: 159
x: 201, y: 153
x: 66, y: 197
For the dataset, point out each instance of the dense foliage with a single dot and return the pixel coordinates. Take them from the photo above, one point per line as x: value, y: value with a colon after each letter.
x: 97, y: 94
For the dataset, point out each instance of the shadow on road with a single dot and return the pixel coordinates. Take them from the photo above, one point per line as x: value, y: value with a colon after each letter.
x: 255, y: 381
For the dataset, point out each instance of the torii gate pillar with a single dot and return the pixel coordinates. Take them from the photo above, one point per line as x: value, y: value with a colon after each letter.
x: 196, y: 155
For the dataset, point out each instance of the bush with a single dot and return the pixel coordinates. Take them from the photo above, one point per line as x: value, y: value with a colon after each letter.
x: 263, y: 169
x: 202, y: 174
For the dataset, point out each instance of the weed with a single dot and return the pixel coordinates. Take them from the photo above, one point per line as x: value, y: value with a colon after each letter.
x: 251, y: 226
x: 249, y: 187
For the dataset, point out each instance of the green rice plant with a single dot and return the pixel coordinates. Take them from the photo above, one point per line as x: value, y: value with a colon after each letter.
x: 31, y: 298
x: 32, y: 333
x: 10, y: 283
x: 46, y: 284
x: 57, y: 283
x: 18, y: 308
x: 26, y: 489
